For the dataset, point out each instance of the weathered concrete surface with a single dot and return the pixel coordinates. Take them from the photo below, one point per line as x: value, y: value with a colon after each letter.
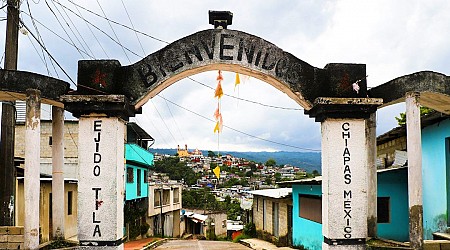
x: 434, y: 89
x: 13, y: 85
x: 101, y: 182
x: 110, y: 105
x: 58, y: 204
x: 201, y: 244
x: 227, y: 50
x: 414, y: 145
x: 327, y: 107
x: 32, y: 168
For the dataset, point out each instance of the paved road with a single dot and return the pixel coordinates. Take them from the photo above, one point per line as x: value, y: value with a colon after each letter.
x: 201, y: 245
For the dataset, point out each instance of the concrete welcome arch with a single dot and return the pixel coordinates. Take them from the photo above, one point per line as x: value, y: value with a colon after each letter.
x: 228, y: 50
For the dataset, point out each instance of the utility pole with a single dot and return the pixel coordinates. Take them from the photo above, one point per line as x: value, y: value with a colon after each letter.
x: 7, y: 169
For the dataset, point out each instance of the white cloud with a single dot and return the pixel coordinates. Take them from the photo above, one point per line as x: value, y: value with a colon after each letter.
x: 392, y: 38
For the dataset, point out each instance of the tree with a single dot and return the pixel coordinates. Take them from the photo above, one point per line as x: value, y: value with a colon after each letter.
x: 176, y: 170
x: 277, y: 177
x: 315, y: 173
x: 402, y: 119
x: 268, y: 180
x: 271, y: 162
x: 211, y: 154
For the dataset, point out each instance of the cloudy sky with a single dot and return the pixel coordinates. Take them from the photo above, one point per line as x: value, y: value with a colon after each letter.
x: 393, y: 38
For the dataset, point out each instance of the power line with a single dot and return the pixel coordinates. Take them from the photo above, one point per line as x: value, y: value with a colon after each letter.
x: 132, y: 25
x: 117, y: 23
x: 48, y: 53
x: 174, y: 120
x: 246, y: 100
x: 76, y: 29
x: 93, y: 34
x: 39, y: 36
x: 165, y: 124
x: 114, y: 32
x: 247, y: 134
x: 67, y: 34
x: 102, y: 31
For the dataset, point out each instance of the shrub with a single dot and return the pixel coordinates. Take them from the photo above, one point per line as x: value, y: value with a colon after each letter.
x: 250, y: 230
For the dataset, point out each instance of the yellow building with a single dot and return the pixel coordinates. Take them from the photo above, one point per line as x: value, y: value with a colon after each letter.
x: 45, y: 211
x: 183, y: 152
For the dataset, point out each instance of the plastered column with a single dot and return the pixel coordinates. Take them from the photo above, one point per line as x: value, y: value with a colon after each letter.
x: 344, y: 184
x: 414, y: 147
x: 101, y: 182
x: 58, y: 172
x: 32, y: 168
x: 371, y: 145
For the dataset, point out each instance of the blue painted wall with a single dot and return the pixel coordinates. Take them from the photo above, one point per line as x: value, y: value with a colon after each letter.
x: 435, y: 174
x: 305, y: 233
x: 394, y: 184
x: 137, y: 158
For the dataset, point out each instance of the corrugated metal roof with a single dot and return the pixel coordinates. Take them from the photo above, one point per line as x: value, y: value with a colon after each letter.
x: 272, y: 193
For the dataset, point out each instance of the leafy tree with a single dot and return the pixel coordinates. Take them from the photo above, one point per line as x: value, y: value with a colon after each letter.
x: 268, y: 180
x: 253, y: 167
x: 249, y: 174
x: 402, y: 119
x: 315, y: 173
x: 176, y: 170
x: 271, y: 162
x: 277, y: 177
x: 211, y: 153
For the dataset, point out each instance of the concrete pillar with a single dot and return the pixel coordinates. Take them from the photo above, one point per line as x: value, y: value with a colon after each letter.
x: 58, y: 172
x: 101, y: 181
x: 371, y: 140
x: 346, y: 139
x: 344, y: 184
x: 32, y: 168
x: 414, y: 147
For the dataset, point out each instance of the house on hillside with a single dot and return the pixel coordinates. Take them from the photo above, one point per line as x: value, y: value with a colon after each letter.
x: 392, y: 188
x: 138, y: 162
x: 164, y: 208
x: 272, y: 213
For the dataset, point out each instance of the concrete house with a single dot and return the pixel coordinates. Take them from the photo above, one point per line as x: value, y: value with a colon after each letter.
x: 164, y: 209
x: 272, y: 213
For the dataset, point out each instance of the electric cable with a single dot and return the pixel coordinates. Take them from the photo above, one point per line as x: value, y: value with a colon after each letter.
x: 241, y: 132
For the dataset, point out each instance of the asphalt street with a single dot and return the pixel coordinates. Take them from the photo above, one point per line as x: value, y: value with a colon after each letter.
x: 201, y: 245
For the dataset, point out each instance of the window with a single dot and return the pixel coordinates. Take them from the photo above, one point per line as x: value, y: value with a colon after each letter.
x: 257, y: 204
x: 50, y: 141
x: 275, y: 211
x: 176, y: 195
x: 264, y: 213
x: 383, y: 211
x: 130, y: 176
x: 69, y: 202
x: 310, y: 207
x: 166, y: 197
x: 145, y: 176
x: 138, y: 186
x: 157, y: 195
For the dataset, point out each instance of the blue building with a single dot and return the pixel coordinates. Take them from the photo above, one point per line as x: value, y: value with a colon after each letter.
x: 392, y: 190
x: 138, y: 162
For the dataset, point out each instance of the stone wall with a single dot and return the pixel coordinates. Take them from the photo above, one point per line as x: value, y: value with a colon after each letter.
x: 386, y: 151
x: 11, y: 237
x: 259, y: 218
